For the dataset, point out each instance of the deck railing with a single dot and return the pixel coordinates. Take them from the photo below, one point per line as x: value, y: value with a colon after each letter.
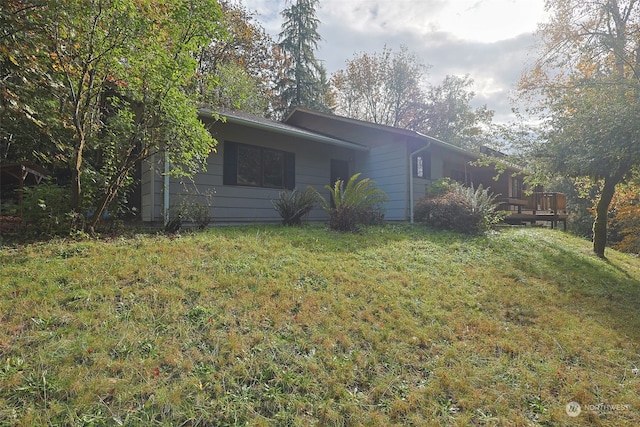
x: 540, y: 206
x: 547, y: 202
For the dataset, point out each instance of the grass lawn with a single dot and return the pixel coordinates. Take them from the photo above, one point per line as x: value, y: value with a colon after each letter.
x: 267, y: 325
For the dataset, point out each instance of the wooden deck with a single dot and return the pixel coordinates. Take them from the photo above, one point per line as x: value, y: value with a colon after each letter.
x: 544, y: 207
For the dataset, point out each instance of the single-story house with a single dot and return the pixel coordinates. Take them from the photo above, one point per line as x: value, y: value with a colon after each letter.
x: 257, y: 158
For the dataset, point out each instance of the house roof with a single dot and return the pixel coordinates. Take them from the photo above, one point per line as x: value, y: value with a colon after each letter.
x: 256, y: 122
x: 331, y: 129
x: 355, y: 130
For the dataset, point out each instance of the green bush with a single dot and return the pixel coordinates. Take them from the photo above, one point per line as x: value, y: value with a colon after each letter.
x: 46, y: 209
x: 356, y: 203
x: 450, y: 211
x: 438, y: 188
x: 459, y: 208
x: 294, y: 205
x: 192, y: 208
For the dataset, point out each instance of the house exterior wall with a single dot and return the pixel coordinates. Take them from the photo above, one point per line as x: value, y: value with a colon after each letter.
x: 445, y: 163
x: 500, y: 187
x: 387, y: 165
x: 387, y: 162
x: 238, y: 203
x: 441, y: 164
x: 456, y: 166
x: 152, y: 189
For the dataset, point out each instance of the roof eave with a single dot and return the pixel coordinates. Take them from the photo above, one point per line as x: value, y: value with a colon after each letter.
x: 290, y: 132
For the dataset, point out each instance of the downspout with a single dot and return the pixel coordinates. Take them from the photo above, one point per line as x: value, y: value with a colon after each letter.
x: 411, y: 195
x: 166, y: 188
x: 152, y: 186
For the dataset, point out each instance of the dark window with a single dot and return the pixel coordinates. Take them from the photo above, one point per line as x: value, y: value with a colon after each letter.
x: 272, y: 168
x: 249, y: 166
x: 516, y: 187
x: 257, y: 166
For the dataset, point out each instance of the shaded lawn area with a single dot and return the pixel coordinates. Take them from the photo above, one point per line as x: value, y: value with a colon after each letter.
x: 268, y: 325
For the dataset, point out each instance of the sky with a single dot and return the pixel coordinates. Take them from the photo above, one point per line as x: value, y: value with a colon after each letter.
x: 492, y: 41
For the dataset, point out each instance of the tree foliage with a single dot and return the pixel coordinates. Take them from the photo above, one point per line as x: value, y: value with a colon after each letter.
x: 116, y: 73
x: 24, y: 69
x: 237, y: 69
x: 383, y: 88
x: 624, y: 218
x: 303, y: 81
x: 450, y: 117
x: 390, y: 88
x: 588, y: 77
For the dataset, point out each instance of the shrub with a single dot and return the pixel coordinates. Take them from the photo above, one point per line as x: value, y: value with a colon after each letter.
x: 358, y: 202
x: 47, y: 212
x: 193, y: 208
x: 294, y: 205
x: 462, y: 209
x: 450, y: 211
x: 483, y: 204
x: 438, y: 188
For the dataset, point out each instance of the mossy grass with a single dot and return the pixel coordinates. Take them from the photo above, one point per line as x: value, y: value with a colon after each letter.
x: 273, y: 325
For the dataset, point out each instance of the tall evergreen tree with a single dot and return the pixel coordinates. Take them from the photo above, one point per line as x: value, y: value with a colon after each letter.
x: 303, y: 80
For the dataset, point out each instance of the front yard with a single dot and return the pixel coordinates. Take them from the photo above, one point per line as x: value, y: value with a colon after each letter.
x: 268, y: 325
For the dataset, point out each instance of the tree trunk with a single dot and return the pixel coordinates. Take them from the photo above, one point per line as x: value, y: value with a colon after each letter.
x: 602, y: 212
x: 76, y: 189
x: 110, y: 194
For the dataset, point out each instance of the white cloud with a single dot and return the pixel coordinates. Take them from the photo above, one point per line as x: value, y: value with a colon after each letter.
x: 490, y: 40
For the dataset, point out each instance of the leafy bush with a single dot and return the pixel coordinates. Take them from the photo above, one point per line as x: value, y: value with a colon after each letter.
x: 294, y: 205
x: 450, y: 211
x: 47, y: 212
x: 194, y: 208
x: 459, y: 208
x: 438, y: 188
x: 624, y: 218
x: 483, y: 204
x: 356, y: 203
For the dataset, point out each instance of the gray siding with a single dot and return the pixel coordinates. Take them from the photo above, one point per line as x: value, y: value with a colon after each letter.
x: 386, y: 162
x: 243, y: 204
x: 388, y: 165
x: 152, y: 188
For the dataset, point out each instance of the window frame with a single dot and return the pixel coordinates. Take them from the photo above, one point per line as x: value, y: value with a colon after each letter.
x: 232, y: 166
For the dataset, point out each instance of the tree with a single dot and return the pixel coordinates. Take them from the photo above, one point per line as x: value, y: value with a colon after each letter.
x: 451, y: 118
x: 237, y: 69
x: 304, y: 79
x: 118, y: 69
x: 625, y: 217
x: 383, y: 88
x: 589, y: 77
x: 231, y: 87
x: 390, y: 88
x: 23, y: 135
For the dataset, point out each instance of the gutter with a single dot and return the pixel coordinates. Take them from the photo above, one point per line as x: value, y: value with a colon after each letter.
x: 411, y: 192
